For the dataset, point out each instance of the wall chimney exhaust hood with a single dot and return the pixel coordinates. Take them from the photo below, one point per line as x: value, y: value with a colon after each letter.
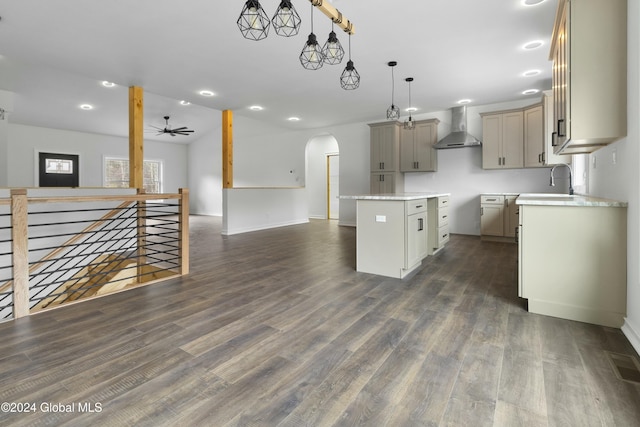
x: 459, y: 137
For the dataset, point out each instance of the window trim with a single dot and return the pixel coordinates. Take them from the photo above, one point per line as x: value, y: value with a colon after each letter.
x: 160, y: 162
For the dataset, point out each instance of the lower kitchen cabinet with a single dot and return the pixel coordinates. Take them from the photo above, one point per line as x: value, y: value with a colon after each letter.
x: 572, y: 262
x: 391, y: 236
x: 438, y: 216
x: 498, y: 216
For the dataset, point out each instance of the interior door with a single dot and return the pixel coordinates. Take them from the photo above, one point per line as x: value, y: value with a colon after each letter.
x: 58, y: 170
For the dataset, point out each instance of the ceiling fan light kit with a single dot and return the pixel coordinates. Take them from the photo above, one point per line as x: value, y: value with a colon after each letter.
x: 254, y: 25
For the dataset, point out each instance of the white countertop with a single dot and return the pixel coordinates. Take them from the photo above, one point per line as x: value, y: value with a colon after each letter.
x: 395, y: 196
x: 554, y: 199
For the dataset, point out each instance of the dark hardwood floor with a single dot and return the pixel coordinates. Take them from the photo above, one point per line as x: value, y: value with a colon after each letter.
x: 276, y: 328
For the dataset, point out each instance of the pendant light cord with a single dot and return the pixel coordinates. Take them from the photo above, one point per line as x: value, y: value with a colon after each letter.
x: 393, y: 86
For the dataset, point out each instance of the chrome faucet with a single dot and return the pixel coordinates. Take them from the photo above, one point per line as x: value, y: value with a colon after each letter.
x: 552, y: 182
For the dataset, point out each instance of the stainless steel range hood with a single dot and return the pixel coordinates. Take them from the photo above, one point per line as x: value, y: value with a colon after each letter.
x: 459, y: 137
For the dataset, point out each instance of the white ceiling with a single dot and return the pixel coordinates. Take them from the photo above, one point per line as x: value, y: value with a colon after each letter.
x: 54, y: 54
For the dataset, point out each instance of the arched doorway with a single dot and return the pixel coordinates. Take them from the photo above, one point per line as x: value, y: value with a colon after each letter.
x: 322, y: 176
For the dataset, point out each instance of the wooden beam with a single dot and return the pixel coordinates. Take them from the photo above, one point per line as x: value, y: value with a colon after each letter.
x: 20, y: 251
x: 227, y: 149
x: 335, y: 15
x: 136, y: 137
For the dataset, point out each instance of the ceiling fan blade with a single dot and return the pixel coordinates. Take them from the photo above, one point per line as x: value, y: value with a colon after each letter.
x: 178, y: 129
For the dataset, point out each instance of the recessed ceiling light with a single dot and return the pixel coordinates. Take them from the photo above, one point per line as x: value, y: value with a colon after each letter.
x: 206, y: 93
x: 531, y: 73
x: 86, y: 107
x: 294, y: 119
x: 533, y: 45
x: 256, y: 108
x: 530, y: 91
x: 183, y: 102
x: 531, y: 2
x: 108, y: 84
x: 411, y: 110
x: 464, y: 101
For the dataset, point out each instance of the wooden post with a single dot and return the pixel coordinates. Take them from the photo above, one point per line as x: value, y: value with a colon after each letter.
x: 141, y: 240
x: 184, y: 231
x: 227, y: 149
x: 136, y: 137
x: 20, y: 250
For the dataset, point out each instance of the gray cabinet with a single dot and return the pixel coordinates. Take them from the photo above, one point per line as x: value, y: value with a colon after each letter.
x: 385, y: 158
x: 502, y: 140
x: 416, y: 147
x: 438, y: 217
x: 589, y: 53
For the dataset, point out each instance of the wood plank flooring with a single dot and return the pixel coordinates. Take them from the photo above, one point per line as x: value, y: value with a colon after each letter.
x: 276, y: 328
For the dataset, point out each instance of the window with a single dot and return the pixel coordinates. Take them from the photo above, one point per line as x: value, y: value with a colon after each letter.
x: 116, y: 174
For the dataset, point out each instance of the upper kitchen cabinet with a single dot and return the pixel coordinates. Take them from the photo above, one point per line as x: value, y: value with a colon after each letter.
x: 589, y: 53
x: 385, y: 158
x: 502, y: 140
x: 416, y: 147
x: 534, y: 136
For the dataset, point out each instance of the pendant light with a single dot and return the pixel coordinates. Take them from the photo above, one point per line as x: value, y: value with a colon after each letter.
x: 350, y: 78
x: 393, y: 112
x: 253, y: 21
x: 332, y: 49
x: 408, y: 124
x: 286, y: 21
x: 311, y: 56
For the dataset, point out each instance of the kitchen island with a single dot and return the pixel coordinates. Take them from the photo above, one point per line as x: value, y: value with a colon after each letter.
x: 572, y: 257
x: 395, y: 232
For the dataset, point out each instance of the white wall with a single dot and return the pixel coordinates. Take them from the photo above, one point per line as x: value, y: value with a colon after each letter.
x: 316, y: 173
x: 205, y: 174
x: 24, y: 141
x: 621, y: 180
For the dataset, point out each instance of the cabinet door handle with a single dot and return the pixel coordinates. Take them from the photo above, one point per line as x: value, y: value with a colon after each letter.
x: 420, y: 224
x: 540, y: 158
x: 382, y: 165
x: 499, y: 161
x: 381, y: 177
x: 504, y: 161
x: 418, y: 206
x: 543, y: 158
x: 560, y: 121
x: 444, y: 216
x: 554, y: 139
x: 444, y: 236
x: 481, y: 211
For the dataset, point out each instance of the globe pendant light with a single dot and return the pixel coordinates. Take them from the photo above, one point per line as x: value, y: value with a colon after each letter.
x: 408, y: 124
x: 286, y: 21
x: 311, y: 56
x: 253, y: 21
x: 350, y: 78
x: 393, y: 112
x: 332, y: 49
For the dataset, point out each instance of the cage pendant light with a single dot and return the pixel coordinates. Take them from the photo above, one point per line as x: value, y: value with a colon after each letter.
x: 350, y: 78
x: 332, y: 49
x: 286, y: 21
x: 393, y: 112
x: 409, y: 123
x: 311, y: 56
x: 253, y: 21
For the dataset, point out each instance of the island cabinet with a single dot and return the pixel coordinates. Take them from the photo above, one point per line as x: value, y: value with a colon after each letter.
x: 385, y: 158
x: 502, y: 140
x: 416, y: 147
x: 572, y: 258
x: 438, y: 219
x: 391, y: 236
x: 589, y: 54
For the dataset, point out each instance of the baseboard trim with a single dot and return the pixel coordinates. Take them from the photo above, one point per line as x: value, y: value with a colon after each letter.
x: 632, y: 334
x: 262, y: 227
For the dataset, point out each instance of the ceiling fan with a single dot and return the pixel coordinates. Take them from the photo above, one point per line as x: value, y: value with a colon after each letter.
x: 173, y: 132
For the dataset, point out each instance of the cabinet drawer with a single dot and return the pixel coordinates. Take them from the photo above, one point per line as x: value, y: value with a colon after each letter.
x: 443, y: 217
x: 416, y: 206
x: 443, y: 201
x: 443, y: 236
x: 491, y: 200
